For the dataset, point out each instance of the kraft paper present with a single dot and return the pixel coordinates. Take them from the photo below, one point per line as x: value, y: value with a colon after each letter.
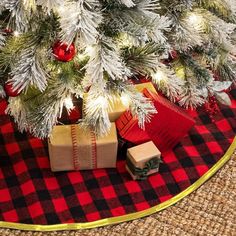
x: 143, y: 160
x: 71, y: 148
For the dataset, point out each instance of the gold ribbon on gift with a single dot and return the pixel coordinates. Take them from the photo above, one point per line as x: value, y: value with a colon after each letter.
x: 84, y: 148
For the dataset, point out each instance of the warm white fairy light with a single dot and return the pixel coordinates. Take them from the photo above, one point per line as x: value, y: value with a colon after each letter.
x: 195, y: 20
x: 89, y: 51
x: 16, y: 33
x: 125, y: 99
x: 125, y: 40
x: 69, y: 103
x: 159, y: 76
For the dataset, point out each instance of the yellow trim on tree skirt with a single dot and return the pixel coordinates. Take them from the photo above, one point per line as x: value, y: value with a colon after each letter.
x: 132, y: 216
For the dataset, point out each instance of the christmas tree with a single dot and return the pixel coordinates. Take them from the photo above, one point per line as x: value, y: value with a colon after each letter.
x: 52, y: 50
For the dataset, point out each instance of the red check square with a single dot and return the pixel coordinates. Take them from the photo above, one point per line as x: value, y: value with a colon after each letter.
x: 142, y: 206
x: 119, y: 211
x: 43, y: 162
x: 20, y: 167
x: 179, y: 175
x: 214, y: 147
x: 75, y: 177
x: 28, y: 187
x: 132, y: 187
x: 36, y: 143
x: 4, y: 195
x: 11, y: 216
x: 191, y: 151
x: 108, y: 192
x: 156, y: 181
x: 223, y: 125
x: 60, y: 204
x: 165, y: 198
x: 201, y: 129
x: 51, y: 183
x: 99, y: 173
x: 12, y: 148
x: 7, y: 128
x: 84, y: 198
x: 35, y: 210
x: 93, y: 216
x: 202, y: 169
x: 170, y: 157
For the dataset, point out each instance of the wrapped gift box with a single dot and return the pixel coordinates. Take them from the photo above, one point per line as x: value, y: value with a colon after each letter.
x: 127, y: 125
x: 118, y: 108
x: 169, y: 125
x: 129, y: 129
x: 71, y: 148
x: 143, y: 160
x: 166, y: 128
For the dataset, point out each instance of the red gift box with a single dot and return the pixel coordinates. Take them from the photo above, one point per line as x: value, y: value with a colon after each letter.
x: 169, y: 125
x: 166, y: 128
x: 129, y: 130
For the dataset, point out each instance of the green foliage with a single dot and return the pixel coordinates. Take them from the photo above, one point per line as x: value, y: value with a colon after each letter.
x: 200, y: 72
x: 219, y: 8
x: 142, y: 60
x: 11, y: 50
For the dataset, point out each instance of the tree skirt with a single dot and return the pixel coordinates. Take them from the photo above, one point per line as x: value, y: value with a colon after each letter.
x: 34, y: 198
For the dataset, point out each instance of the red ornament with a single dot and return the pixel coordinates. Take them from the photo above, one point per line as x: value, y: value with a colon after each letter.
x: 8, y: 31
x: 63, y: 52
x: 174, y: 55
x: 9, y: 90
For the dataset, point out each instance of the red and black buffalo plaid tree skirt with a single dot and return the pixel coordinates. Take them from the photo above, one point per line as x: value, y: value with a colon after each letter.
x: 30, y: 193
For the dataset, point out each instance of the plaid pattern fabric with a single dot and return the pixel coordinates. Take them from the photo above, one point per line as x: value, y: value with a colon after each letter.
x: 31, y: 193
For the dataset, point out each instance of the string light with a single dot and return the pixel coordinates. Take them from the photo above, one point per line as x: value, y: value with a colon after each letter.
x: 69, y: 103
x: 125, y: 40
x: 16, y: 33
x: 125, y: 99
x: 89, y: 51
x: 159, y: 76
x: 195, y: 20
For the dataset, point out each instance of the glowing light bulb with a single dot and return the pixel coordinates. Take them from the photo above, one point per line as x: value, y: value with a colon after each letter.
x: 16, y: 33
x: 195, y: 20
x: 69, y: 103
x: 89, y: 50
x: 125, y: 99
x: 159, y: 76
x: 125, y: 40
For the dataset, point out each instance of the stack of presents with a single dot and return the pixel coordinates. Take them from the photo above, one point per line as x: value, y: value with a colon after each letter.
x: 71, y: 148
